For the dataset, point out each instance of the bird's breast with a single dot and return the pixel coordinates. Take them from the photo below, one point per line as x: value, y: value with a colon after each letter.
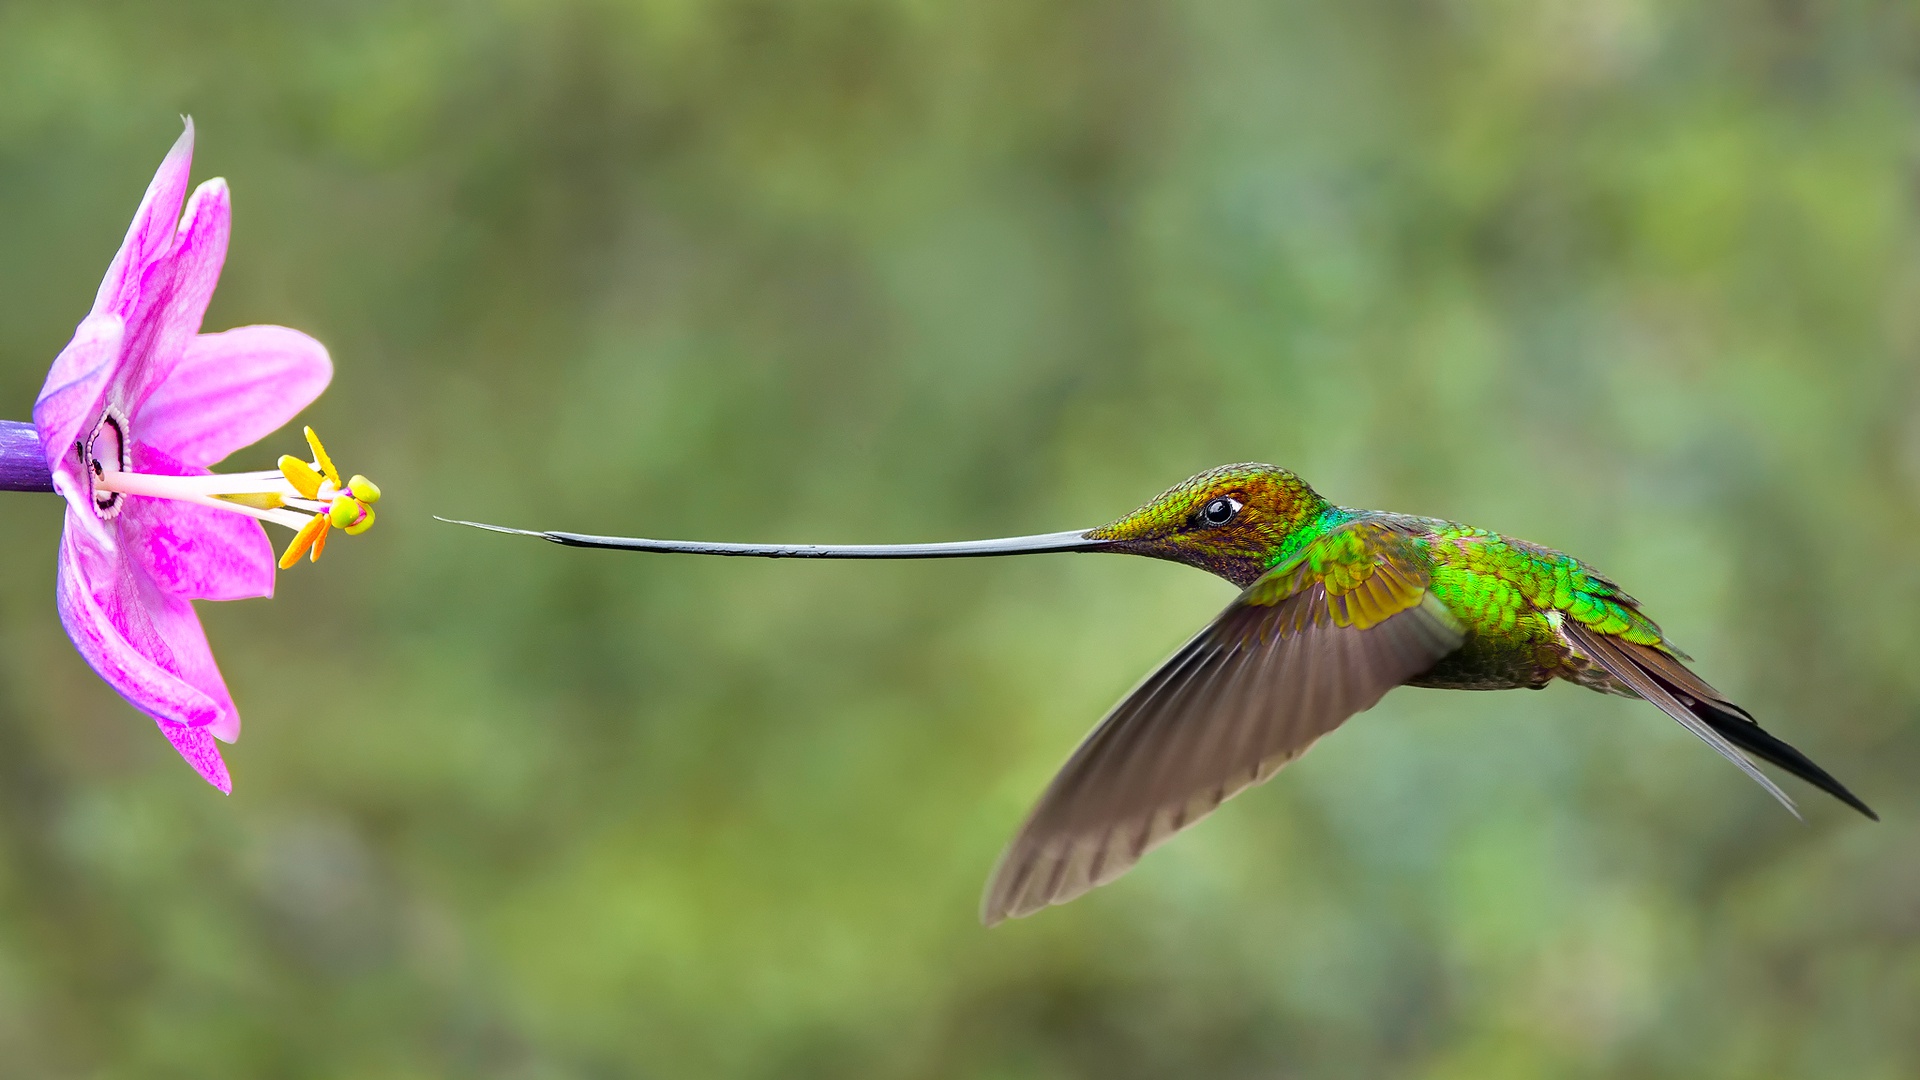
x: 1497, y: 661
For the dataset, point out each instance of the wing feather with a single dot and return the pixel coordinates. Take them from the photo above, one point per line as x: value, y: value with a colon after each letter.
x: 1308, y: 645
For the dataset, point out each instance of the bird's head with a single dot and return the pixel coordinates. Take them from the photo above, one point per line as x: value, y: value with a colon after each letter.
x: 1228, y: 521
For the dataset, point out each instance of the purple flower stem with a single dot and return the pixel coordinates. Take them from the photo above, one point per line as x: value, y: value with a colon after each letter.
x: 23, y: 465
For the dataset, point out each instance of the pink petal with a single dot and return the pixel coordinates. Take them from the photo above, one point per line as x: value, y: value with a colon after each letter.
x: 196, y: 552
x: 148, y: 311
x: 144, y: 642
x: 201, y: 752
x: 70, y: 402
x: 152, y: 231
x: 174, y: 294
x: 192, y: 551
x: 231, y: 390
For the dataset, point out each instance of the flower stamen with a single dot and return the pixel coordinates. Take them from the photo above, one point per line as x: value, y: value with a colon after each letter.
x: 301, y: 475
x: 304, y: 496
x: 320, y: 459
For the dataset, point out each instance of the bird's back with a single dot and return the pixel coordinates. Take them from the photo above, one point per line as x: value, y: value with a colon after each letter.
x: 1512, y: 597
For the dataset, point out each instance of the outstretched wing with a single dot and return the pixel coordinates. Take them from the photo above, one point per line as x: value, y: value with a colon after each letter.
x: 1316, y: 640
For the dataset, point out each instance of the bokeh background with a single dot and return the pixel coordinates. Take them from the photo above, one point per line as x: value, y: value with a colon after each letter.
x: 1637, y: 280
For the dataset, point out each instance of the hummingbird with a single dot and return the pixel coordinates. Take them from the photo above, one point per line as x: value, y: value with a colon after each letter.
x: 1337, y: 606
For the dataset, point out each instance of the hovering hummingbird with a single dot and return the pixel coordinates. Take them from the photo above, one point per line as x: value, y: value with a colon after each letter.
x: 1337, y: 607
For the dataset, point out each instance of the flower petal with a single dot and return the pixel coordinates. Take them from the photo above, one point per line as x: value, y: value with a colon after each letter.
x: 151, y: 234
x: 192, y: 551
x: 196, y: 552
x: 231, y: 390
x: 147, y: 644
x: 201, y: 752
x: 173, y: 298
x: 70, y: 401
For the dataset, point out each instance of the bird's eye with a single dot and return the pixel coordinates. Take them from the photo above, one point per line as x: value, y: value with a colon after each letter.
x: 1219, y: 511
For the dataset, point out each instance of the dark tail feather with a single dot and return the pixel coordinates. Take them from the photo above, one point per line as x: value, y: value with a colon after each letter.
x: 1687, y: 698
x: 1733, y: 722
x: 1741, y: 731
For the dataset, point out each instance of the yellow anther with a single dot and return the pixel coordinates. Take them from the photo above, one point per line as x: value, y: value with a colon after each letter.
x: 321, y: 460
x: 344, y: 511
x: 319, y: 540
x: 363, y: 524
x: 364, y: 489
x: 303, y: 540
x: 301, y: 476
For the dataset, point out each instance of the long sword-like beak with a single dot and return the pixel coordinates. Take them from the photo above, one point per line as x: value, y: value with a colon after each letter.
x: 1006, y: 545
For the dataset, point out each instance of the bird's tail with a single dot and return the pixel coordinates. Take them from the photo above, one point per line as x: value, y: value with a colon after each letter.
x: 1686, y: 697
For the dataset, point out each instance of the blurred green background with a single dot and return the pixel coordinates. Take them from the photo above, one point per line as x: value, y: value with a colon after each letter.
x: 1640, y: 281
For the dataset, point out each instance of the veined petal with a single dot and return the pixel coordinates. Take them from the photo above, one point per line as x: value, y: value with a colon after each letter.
x: 197, y: 746
x: 152, y: 232
x: 197, y: 552
x: 192, y: 551
x: 174, y: 298
x: 70, y: 401
x: 231, y: 390
x: 147, y: 644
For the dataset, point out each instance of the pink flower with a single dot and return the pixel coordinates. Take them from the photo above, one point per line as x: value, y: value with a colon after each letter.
x: 135, y: 409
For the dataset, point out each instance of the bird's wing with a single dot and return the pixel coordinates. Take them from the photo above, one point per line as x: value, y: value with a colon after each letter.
x: 1314, y: 641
